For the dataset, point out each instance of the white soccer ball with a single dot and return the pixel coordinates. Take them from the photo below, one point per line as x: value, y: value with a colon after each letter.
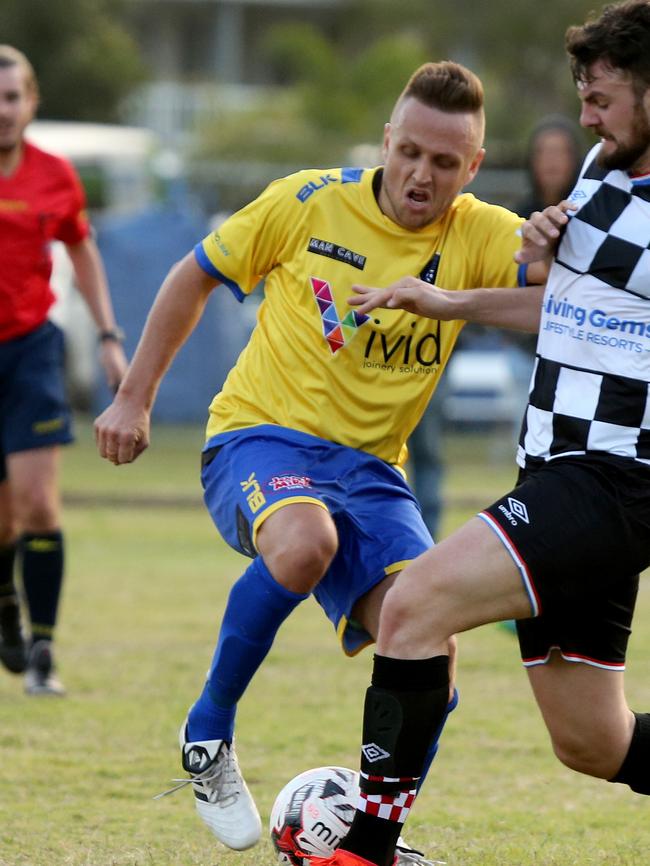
x: 312, y: 813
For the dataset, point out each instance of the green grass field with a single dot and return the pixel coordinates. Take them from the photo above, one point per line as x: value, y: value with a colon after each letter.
x: 147, y: 579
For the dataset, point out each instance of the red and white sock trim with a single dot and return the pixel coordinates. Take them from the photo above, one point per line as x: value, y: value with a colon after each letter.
x: 392, y: 807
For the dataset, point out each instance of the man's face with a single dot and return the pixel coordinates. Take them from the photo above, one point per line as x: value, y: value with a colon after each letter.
x: 429, y: 156
x: 17, y: 107
x: 612, y: 109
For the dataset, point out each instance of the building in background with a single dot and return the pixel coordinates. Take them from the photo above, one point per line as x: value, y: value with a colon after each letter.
x: 204, y: 54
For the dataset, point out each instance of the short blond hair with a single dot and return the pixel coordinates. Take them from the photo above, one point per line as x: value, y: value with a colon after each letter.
x: 10, y: 56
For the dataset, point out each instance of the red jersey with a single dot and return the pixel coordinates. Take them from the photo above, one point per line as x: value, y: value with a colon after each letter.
x: 42, y: 201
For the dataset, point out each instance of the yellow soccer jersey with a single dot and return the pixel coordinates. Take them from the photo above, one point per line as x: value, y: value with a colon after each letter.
x: 312, y: 363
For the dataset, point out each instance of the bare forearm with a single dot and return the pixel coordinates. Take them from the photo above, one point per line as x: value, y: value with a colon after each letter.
x: 518, y: 309
x: 122, y: 430
x: 91, y: 282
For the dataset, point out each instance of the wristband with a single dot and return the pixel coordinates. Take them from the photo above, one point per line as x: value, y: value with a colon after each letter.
x: 115, y: 335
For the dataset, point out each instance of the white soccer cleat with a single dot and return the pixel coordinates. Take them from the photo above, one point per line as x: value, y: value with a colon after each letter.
x: 221, y: 796
x: 407, y: 856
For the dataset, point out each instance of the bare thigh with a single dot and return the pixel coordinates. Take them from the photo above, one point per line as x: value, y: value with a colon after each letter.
x: 465, y: 581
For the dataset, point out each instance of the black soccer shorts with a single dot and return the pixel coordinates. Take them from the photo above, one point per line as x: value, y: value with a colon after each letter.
x: 578, y: 529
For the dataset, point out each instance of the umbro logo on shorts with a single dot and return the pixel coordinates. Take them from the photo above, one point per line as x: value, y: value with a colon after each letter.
x: 518, y: 509
x: 515, y: 511
x: 372, y: 752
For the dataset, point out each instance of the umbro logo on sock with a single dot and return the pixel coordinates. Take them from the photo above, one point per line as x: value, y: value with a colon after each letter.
x: 372, y: 752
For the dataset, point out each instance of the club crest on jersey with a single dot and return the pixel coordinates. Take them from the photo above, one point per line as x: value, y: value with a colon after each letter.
x: 337, y: 332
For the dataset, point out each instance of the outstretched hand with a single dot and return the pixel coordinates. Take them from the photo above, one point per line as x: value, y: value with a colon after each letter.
x: 541, y: 232
x: 408, y: 293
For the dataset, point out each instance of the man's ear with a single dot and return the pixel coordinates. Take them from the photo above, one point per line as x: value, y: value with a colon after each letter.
x: 472, y: 171
x: 386, y: 141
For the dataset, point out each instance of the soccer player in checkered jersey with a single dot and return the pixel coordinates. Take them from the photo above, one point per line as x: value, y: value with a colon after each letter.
x: 561, y: 553
x: 41, y: 200
x: 305, y: 443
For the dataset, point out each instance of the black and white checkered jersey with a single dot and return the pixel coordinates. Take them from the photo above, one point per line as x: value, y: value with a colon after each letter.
x: 590, y: 389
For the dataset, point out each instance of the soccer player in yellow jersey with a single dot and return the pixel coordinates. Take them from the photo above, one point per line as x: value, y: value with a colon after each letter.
x: 302, y: 466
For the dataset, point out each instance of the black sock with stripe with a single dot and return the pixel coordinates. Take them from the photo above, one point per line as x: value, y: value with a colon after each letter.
x: 404, y: 707
x: 42, y: 565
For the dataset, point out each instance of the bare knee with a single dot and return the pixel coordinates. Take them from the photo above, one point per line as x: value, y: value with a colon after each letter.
x: 410, y: 626
x: 299, y: 553
x: 38, y: 512
x: 593, y: 755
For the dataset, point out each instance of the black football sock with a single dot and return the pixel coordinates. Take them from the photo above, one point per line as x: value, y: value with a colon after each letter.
x: 7, y: 585
x: 42, y: 565
x: 404, y: 707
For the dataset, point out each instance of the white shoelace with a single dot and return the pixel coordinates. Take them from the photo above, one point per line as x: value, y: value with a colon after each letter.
x: 217, y: 777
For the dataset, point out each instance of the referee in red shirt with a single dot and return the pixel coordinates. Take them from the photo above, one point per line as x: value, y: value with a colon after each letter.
x: 41, y: 200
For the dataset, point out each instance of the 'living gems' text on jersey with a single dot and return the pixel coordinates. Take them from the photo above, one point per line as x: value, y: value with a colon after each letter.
x: 591, y: 383
x: 315, y: 365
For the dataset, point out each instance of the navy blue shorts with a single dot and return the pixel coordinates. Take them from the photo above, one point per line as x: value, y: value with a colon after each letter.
x: 578, y: 530
x: 34, y: 411
x: 248, y: 474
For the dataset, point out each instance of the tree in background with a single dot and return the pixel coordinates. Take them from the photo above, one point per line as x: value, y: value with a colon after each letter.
x: 517, y: 48
x: 330, y: 93
x: 325, y: 99
x: 83, y: 55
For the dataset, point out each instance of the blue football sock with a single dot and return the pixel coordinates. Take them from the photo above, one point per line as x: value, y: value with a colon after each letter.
x: 256, y: 608
x: 433, y: 746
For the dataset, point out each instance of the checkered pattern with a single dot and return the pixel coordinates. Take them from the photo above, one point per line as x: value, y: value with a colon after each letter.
x: 609, y: 237
x: 591, y: 384
x: 392, y: 807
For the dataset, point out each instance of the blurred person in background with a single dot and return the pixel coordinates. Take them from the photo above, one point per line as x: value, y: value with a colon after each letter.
x: 305, y: 446
x: 554, y: 155
x: 41, y: 200
x: 426, y: 466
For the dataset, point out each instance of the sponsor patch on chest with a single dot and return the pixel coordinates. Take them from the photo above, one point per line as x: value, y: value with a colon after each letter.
x: 337, y: 252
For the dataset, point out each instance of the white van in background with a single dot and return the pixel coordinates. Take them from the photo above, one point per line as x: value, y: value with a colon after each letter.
x: 114, y: 162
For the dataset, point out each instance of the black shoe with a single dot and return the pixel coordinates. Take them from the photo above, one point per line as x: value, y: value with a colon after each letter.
x: 40, y: 678
x: 13, y: 652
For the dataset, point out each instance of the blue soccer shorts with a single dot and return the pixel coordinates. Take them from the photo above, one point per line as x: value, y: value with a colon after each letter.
x: 34, y: 411
x: 249, y: 474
